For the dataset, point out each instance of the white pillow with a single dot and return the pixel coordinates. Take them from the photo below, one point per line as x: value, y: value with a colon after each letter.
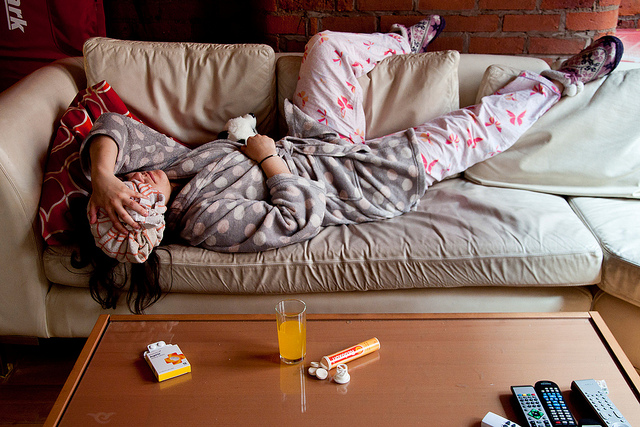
x: 400, y: 92
x: 408, y: 90
x: 187, y: 90
x: 495, y: 77
x: 587, y: 145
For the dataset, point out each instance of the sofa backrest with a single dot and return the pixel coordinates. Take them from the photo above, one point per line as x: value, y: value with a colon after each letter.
x: 190, y: 90
x: 187, y: 90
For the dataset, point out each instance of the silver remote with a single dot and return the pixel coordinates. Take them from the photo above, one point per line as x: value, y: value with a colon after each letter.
x: 530, y: 406
x: 599, y: 401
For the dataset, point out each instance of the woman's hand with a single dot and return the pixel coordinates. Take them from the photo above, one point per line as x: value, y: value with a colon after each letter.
x: 262, y: 149
x: 112, y: 195
x: 108, y: 192
x: 259, y: 147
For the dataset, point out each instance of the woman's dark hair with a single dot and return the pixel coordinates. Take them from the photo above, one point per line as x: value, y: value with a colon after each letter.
x: 109, y: 276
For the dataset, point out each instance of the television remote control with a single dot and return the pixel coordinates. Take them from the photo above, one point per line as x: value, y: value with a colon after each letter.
x: 553, y: 402
x: 530, y: 406
x: 604, y: 408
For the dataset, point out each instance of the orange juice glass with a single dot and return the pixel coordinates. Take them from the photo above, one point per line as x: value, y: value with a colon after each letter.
x: 292, y: 330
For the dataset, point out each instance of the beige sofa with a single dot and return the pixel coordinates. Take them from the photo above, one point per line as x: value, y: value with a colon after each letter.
x: 467, y: 248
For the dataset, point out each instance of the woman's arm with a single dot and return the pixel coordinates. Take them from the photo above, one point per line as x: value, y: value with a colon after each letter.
x: 118, y: 145
x: 108, y: 192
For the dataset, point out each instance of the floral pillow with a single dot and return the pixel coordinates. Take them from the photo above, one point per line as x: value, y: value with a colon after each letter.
x: 64, y: 180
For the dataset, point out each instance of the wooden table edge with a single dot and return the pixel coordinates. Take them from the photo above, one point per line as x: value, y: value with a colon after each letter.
x: 79, y: 367
x: 350, y: 316
x: 103, y: 321
x: 620, y: 357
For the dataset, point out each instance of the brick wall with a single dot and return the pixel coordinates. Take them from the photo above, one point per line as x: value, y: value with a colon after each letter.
x: 543, y: 28
x: 629, y: 14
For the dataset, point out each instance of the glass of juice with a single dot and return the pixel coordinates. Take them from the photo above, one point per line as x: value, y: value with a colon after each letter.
x: 292, y: 330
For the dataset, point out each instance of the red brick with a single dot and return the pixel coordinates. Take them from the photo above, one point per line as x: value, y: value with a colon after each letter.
x: 567, y: 4
x: 481, y: 23
x: 428, y: 5
x: 497, y: 45
x: 627, y: 24
x: 296, y: 5
x: 345, y: 5
x: 531, y: 23
x: 290, y: 24
x: 507, y: 4
x: 385, y: 5
x: 609, y: 3
x: 447, y: 43
x: 294, y: 45
x: 584, y: 21
x: 629, y: 7
x: 354, y: 24
x: 548, y: 46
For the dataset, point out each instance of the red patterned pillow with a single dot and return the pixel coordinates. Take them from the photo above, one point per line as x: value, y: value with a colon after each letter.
x: 64, y: 180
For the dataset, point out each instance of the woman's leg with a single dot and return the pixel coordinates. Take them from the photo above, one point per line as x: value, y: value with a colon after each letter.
x: 456, y: 141
x: 328, y: 88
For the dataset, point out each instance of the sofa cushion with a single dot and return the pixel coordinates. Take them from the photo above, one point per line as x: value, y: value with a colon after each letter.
x: 187, y: 90
x: 473, y: 67
x: 615, y: 224
x: 400, y: 92
x: 461, y: 234
x: 585, y: 145
x: 408, y: 90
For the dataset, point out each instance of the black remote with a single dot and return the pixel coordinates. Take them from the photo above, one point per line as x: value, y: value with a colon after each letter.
x: 555, y: 405
x: 530, y: 406
x: 604, y: 408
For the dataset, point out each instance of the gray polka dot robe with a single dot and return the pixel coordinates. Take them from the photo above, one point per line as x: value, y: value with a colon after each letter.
x: 228, y: 205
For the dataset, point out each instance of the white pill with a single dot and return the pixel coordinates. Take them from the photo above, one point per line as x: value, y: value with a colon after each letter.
x: 315, y: 364
x: 322, y: 374
x: 312, y: 371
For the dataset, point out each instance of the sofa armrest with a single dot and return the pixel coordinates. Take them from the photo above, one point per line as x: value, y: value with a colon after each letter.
x: 30, y: 112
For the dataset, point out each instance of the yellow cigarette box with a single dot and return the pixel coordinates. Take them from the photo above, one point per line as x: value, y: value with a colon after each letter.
x: 166, y: 360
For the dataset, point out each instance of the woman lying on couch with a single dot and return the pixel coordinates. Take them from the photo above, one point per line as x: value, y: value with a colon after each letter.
x: 263, y: 195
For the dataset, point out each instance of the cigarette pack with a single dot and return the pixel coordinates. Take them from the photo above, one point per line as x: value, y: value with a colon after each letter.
x: 166, y: 360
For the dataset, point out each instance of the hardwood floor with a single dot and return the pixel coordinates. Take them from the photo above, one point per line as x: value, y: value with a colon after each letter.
x: 40, y: 370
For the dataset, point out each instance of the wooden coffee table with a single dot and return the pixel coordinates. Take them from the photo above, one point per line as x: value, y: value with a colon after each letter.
x: 431, y: 370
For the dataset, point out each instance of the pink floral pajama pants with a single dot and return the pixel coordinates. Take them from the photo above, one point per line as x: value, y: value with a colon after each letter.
x: 328, y: 91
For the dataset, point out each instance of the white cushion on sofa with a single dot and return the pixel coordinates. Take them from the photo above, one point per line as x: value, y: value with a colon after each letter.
x: 187, y: 90
x: 400, y: 92
x: 462, y: 234
x: 587, y: 145
x: 407, y: 90
x: 615, y: 224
